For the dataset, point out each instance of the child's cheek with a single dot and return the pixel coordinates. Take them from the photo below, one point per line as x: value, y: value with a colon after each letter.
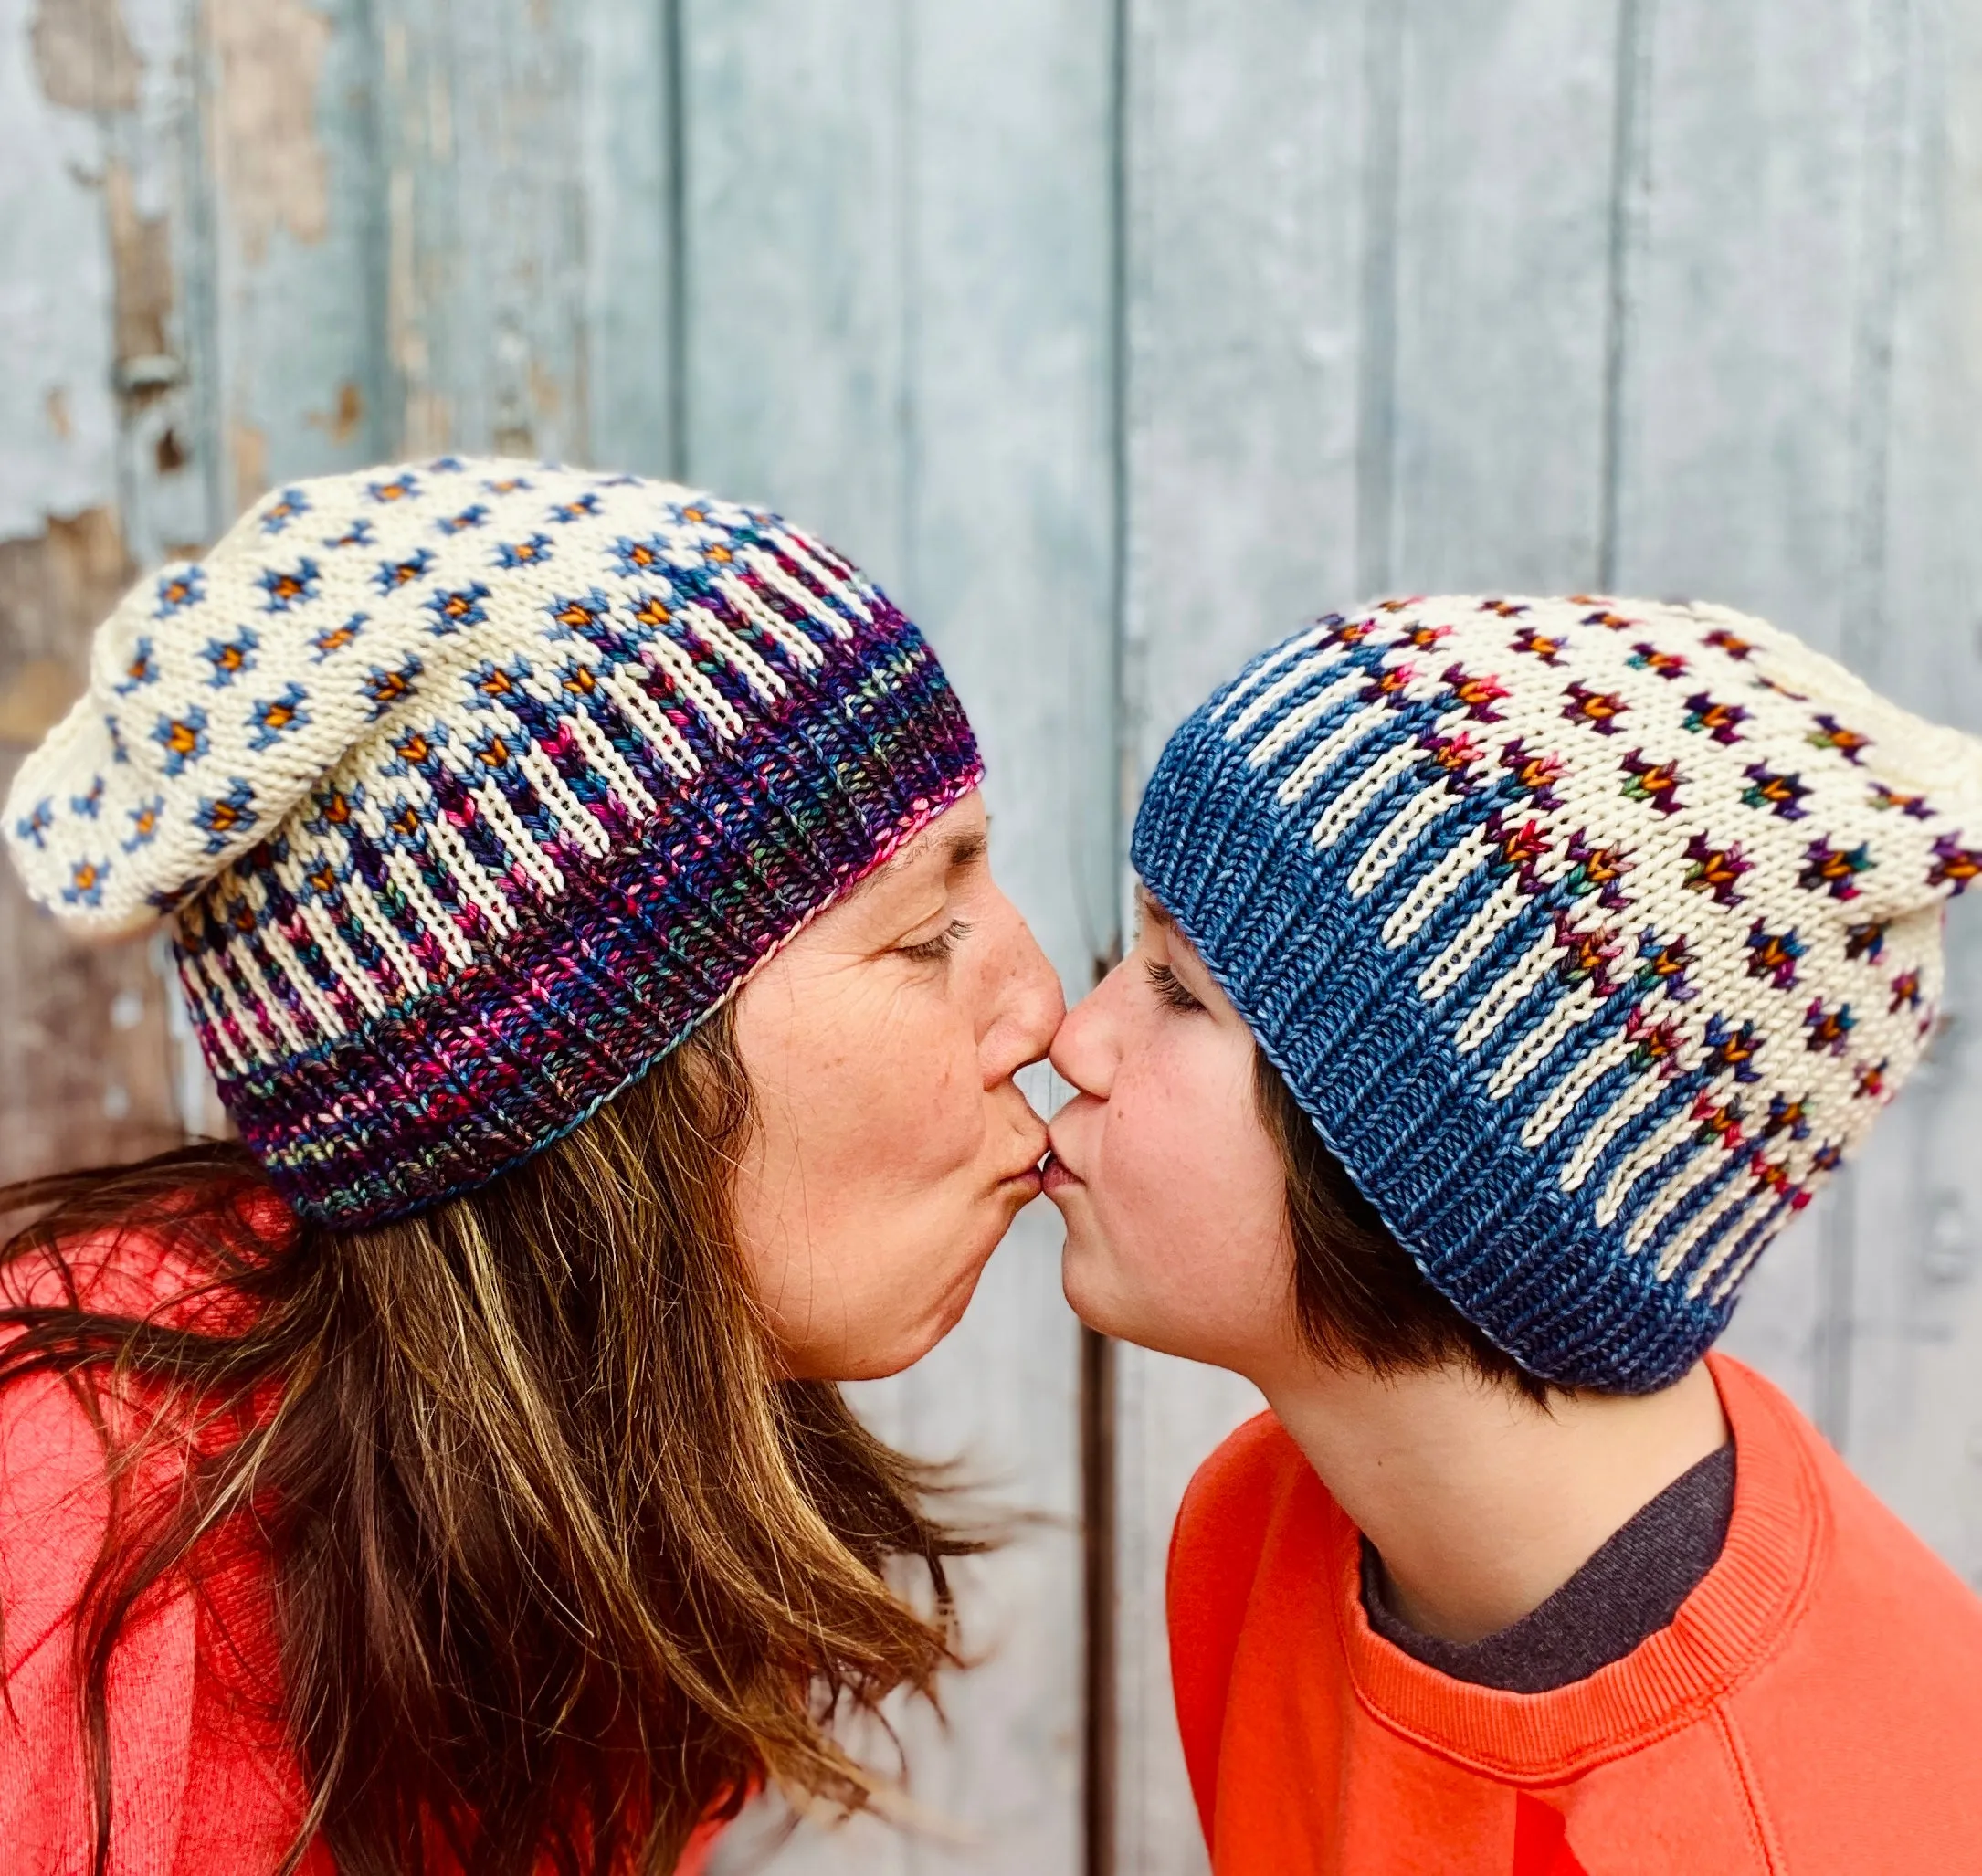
x: 1169, y: 1175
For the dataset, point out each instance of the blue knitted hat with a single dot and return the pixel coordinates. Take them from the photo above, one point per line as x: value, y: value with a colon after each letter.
x: 1592, y: 934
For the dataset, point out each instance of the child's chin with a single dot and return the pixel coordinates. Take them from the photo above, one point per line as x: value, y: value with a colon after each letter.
x: 1085, y: 1283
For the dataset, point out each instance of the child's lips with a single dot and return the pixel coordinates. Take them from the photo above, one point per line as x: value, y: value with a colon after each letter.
x: 1059, y: 1176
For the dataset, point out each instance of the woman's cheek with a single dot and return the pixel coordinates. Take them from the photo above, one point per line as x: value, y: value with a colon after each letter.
x: 926, y: 1102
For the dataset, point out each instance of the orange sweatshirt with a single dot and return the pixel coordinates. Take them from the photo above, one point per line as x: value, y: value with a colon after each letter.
x: 1815, y: 1707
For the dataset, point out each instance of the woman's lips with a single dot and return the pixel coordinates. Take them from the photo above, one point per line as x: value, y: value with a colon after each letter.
x: 1058, y: 1178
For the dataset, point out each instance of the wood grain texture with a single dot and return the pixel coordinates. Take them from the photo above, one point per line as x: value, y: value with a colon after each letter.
x: 296, y: 367
x: 90, y: 100
x: 1505, y: 156
x: 1112, y: 370
x: 897, y: 325
x: 485, y: 227
x: 1911, y: 1420
x: 1255, y: 152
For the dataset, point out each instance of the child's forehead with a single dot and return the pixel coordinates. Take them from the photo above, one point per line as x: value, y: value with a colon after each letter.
x: 1149, y: 910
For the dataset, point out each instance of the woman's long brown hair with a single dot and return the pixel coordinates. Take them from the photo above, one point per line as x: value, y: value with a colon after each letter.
x: 561, y: 1565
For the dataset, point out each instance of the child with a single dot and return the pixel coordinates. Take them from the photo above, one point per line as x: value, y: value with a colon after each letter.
x: 1509, y: 973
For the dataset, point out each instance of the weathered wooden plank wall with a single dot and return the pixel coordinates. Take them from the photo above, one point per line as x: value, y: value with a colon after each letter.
x: 1116, y: 336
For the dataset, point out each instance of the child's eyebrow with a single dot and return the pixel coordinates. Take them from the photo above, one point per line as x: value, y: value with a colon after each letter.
x: 1146, y: 904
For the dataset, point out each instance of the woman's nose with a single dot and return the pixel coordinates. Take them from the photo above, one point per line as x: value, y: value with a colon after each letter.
x: 1029, y: 1006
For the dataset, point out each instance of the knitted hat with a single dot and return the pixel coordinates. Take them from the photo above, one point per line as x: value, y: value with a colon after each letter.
x: 1592, y: 934
x: 474, y: 787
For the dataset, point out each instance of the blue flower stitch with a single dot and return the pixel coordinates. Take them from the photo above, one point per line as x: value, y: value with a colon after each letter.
x: 452, y: 611
x: 230, y: 657
x: 285, y: 509
x: 179, y: 588
x: 184, y: 740
x: 277, y: 717
x: 290, y: 588
x: 226, y: 815
x: 144, y: 820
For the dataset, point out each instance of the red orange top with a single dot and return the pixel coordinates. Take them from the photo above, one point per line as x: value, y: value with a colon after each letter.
x: 203, y: 1782
x: 1815, y: 1706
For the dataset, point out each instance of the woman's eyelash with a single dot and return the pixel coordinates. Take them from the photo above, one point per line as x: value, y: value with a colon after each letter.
x: 934, y: 950
x: 1171, y: 990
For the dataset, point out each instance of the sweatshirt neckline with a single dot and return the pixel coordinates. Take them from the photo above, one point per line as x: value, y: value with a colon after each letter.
x: 1735, y: 1618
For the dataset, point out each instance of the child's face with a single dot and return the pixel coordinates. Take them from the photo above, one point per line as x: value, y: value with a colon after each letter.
x: 1172, y: 1193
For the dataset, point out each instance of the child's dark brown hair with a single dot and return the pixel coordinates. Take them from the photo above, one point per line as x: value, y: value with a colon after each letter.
x: 1361, y: 1300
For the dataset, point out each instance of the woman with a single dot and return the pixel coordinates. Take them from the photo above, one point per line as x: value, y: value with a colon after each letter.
x: 579, y: 889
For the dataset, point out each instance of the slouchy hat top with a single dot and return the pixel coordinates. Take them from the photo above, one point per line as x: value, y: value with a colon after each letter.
x: 1591, y: 933
x: 470, y: 788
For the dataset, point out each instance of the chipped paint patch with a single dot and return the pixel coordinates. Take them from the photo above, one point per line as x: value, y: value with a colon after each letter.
x: 55, y: 586
x: 249, y: 447
x: 341, y: 425
x: 85, y: 1059
x: 83, y: 55
x: 270, y: 160
x: 140, y: 275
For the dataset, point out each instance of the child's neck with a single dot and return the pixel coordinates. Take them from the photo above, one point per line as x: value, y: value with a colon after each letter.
x: 1482, y: 1504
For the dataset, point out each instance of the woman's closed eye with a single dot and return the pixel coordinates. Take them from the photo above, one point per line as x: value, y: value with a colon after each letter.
x: 931, y: 950
x: 1170, y: 988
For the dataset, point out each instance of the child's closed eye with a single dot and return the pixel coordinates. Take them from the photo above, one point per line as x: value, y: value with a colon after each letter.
x: 1170, y: 988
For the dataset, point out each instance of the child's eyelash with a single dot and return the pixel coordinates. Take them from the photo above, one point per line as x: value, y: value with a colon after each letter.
x: 934, y: 950
x: 1171, y: 989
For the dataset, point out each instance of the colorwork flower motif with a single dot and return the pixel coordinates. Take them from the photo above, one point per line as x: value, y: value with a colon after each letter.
x: 1715, y: 869
x: 392, y: 574
x: 139, y: 669
x: 182, y: 738
x: 283, y: 510
x: 1954, y: 864
x: 531, y: 551
x: 1778, y: 793
x: 453, y: 611
x: 1833, y: 870
x: 1599, y: 710
x: 85, y: 878
x: 179, y: 588
x: 144, y: 820
x: 335, y: 638
x: 228, y: 658
x: 223, y: 817
x: 1654, y: 783
x: 277, y: 717
x: 290, y: 587
x: 1720, y: 721
x: 387, y: 687
x: 1774, y: 955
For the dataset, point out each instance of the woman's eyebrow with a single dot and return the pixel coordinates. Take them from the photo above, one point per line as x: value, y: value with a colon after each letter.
x: 962, y: 850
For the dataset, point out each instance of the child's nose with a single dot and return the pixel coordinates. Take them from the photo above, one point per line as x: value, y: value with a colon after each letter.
x: 1083, y: 1053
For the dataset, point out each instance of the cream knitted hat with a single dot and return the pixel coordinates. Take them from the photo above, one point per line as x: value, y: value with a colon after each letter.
x: 1592, y: 934
x: 472, y: 787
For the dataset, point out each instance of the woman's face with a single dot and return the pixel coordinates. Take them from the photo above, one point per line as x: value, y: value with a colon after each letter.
x: 1172, y: 1190
x: 892, y: 1148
